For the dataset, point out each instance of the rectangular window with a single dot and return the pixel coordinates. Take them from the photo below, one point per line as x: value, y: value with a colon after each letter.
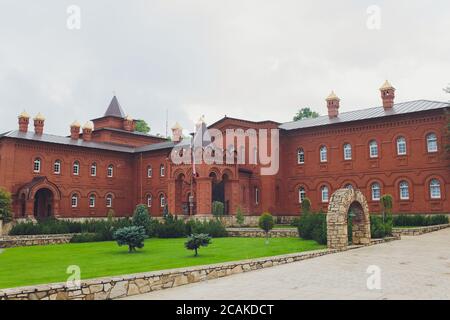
x: 57, y: 168
x: 256, y: 196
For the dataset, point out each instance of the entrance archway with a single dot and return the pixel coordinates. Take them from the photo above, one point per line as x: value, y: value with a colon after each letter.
x: 43, y: 204
x: 343, y: 202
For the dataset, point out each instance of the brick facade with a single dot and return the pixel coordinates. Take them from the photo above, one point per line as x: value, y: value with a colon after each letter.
x: 133, y: 168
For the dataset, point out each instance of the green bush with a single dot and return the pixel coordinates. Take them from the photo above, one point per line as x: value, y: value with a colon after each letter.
x: 214, y: 228
x: 378, y: 229
x: 195, y: 241
x: 5, y: 206
x: 85, y: 237
x: 266, y: 223
x: 240, y: 219
x: 313, y: 226
x: 171, y: 228
x: 218, y: 208
x: 141, y: 218
x: 306, y: 206
x: 418, y: 220
x: 133, y: 237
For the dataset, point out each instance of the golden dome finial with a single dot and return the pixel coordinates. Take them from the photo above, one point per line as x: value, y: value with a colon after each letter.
x: 332, y: 96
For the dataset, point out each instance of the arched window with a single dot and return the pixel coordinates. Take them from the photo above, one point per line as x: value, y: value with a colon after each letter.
x: 162, y: 200
x: 325, y: 193
x: 76, y: 168
x: 376, y: 191
x: 323, y: 154
x: 110, y: 171
x: 74, y: 200
x: 92, y: 201
x: 256, y: 196
x: 373, y: 149
x: 300, y: 156
x: 162, y: 170
x: 37, y: 165
x: 149, y: 172
x: 301, y: 194
x: 149, y: 200
x: 348, y: 186
x: 109, y: 201
x: 404, y: 190
x: 401, y: 146
x: 93, y: 169
x: 432, y: 143
x: 435, y: 189
x: 57, y: 167
x: 347, y: 151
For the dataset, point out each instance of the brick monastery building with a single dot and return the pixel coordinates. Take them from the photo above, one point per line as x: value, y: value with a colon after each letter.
x: 396, y: 149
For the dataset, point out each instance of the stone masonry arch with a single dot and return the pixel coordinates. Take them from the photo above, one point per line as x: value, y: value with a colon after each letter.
x: 341, y: 203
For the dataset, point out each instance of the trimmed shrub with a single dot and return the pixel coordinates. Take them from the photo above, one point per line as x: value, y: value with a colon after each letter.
x: 218, y: 209
x: 133, y: 237
x: 266, y: 223
x: 141, y: 218
x: 240, y: 219
x: 85, y: 237
x: 195, y: 241
x: 313, y: 226
x: 5, y: 205
x: 214, y: 228
x: 171, y: 228
x: 419, y: 220
x: 380, y: 229
x: 306, y: 206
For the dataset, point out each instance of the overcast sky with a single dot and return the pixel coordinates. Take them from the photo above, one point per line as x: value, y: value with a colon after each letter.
x: 256, y: 59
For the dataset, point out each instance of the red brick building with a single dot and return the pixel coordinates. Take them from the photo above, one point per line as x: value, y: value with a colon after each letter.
x: 396, y: 149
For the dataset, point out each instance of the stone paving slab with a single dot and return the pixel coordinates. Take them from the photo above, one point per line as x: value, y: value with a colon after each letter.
x: 413, y: 268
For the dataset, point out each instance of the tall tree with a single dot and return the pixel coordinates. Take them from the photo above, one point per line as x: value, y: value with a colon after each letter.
x: 305, y: 113
x: 142, y: 126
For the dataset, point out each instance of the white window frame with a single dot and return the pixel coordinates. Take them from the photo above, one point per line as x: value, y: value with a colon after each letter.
x: 401, y: 146
x: 300, y: 156
x: 435, y: 189
x: 375, y: 187
x: 74, y: 200
x: 404, y: 190
x: 162, y: 200
x: 110, y: 171
x: 149, y: 200
x: 325, y: 194
x: 374, y: 152
x: 37, y: 165
x: 92, y: 199
x: 149, y: 171
x: 109, y: 201
x: 323, y: 154
x: 348, y: 151
x: 432, y: 143
x: 94, y: 169
x: 301, y: 194
x: 162, y: 170
x: 57, y: 167
x: 76, y: 168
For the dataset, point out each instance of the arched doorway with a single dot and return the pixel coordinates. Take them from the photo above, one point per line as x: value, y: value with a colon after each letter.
x: 217, y: 188
x: 43, y: 204
x: 345, y: 202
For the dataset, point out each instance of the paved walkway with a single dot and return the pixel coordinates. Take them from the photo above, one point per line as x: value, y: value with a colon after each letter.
x: 413, y: 268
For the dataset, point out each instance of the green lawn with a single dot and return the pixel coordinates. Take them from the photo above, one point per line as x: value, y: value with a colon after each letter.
x: 46, y: 264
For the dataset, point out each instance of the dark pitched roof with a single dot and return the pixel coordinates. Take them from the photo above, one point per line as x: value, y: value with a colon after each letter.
x: 132, y: 132
x: 365, y: 114
x: 114, y: 109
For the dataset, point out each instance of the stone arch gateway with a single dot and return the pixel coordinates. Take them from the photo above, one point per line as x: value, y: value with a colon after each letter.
x: 342, y: 202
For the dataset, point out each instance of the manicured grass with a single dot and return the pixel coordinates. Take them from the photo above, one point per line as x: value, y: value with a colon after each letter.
x: 46, y: 264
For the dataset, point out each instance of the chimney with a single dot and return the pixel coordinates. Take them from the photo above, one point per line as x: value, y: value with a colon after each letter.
x: 87, y: 131
x: 177, y: 132
x: 39, y: 124
x: 333, y: 105
x: 128, y: 123
x: 24, y: 120
x: 387, y: 95
x: 75, y: 130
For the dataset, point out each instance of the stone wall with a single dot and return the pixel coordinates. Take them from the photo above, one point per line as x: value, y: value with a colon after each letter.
x: 258, y: 233
x: 417, y: 231
x: 249, y: 221
x: 36, y: 240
